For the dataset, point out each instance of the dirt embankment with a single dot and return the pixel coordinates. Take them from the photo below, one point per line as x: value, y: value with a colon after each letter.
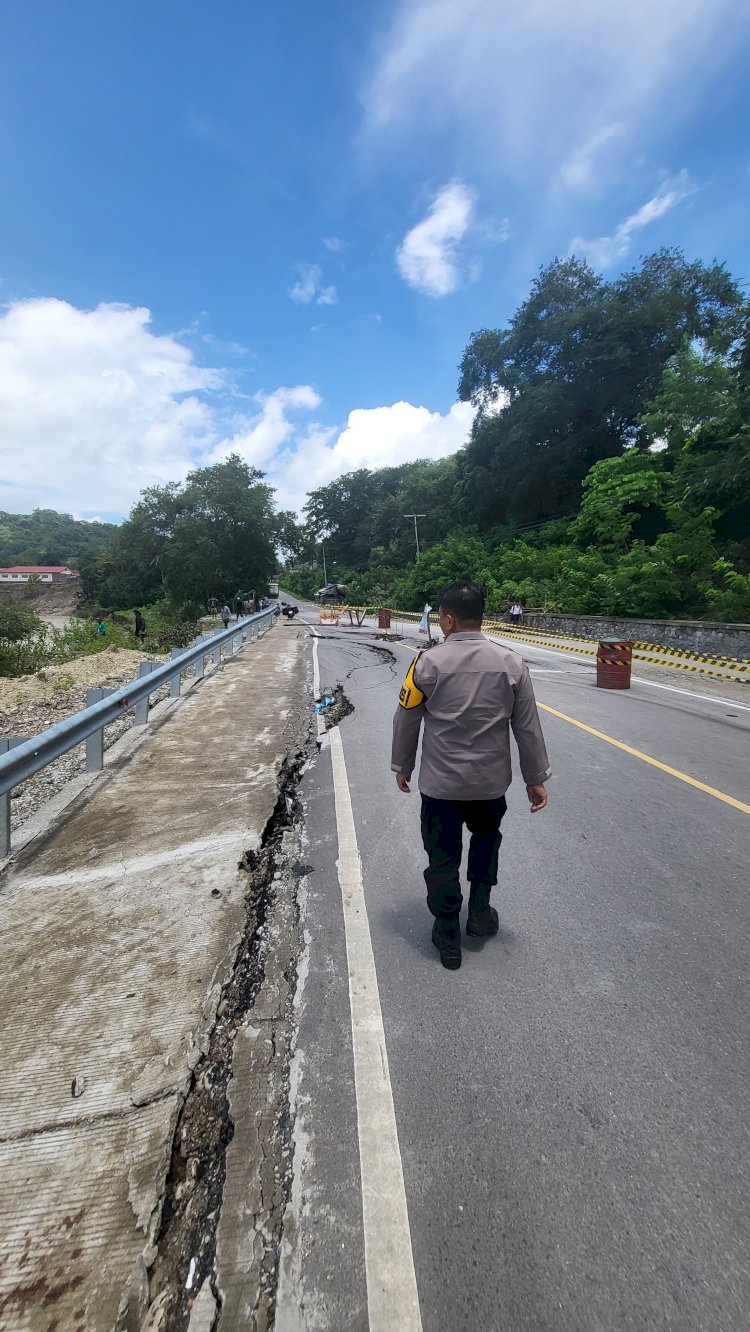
x: 32, y: 703
x: 55, y: 599
x: 54, y: 683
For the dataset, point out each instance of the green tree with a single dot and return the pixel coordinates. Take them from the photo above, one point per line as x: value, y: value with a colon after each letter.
x: 702, y: 413
x: 566, y: 384
x: 22, y: 640
x: 362, y: 515
x: 620, y: 496
x: 17, y: 622
x: 48, y: 537
x: 214, y: 535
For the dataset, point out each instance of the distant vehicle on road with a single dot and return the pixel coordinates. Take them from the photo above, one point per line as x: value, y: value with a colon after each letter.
x: 273, y: 590
x: 331, y: 593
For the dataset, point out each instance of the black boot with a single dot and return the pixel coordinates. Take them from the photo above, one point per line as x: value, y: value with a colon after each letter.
x: 482, y: 917
x: 446, y: 936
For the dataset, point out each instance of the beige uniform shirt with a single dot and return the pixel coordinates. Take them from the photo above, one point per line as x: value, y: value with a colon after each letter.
x: 468, y: 692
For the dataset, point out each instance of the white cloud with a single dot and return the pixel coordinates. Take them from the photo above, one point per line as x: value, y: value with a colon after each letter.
x: 427, y: 255
x: 334, y: 243
x: 234, y: 349
x: 373, y: 437
x: 517, y: 85
x: 582, y: 171
x: 309, y: 287
x: 608, y: 250
x: 94, y: 407
x: 257, y: 438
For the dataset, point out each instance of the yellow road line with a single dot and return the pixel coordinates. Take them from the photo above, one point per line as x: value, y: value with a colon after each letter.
x: 663, y: 767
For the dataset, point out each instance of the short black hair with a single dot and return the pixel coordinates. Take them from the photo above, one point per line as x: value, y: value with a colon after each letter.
x: 463, y: 599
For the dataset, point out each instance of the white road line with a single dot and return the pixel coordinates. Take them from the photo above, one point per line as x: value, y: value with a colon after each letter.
x: 516, y: 644
x: 690, y: 693
x: 320, y: 724
x: 392, y: 1298
x: 705, y: 698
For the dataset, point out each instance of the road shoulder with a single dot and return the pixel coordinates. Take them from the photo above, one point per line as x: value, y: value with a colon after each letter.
x: 120, y: 936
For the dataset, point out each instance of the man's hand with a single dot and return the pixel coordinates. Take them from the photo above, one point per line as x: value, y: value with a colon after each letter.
x: 538, y: 797
x: 402, y: 783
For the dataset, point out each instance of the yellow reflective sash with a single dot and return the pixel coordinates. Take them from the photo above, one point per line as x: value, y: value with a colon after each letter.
x: 410, y: 696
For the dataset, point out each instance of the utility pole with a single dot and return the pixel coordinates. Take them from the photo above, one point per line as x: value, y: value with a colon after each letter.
x: 415, y: 516
x: 325, y: 575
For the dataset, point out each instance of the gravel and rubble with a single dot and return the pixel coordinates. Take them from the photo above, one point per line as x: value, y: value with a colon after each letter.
x: 32, y: 703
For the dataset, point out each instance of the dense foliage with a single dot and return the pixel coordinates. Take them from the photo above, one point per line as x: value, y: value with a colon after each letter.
x: 36, y: 645
x: 608, y: 470
x: 213, y: 536
x: 47, y: 537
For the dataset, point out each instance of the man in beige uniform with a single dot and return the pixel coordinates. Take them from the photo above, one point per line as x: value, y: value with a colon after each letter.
x: 467, y: 691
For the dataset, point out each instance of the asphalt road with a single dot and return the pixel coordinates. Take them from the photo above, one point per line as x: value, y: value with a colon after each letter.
x: 571, y: 1105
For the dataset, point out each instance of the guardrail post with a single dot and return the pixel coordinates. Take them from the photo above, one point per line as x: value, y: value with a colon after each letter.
x: 200, y: 662
x: 174, y: 683
x: 217, y: 650
x: 141, y: 708
x: 5, y: 745
x: 4, y: 807
x: 230, y: 645
x: 95, y: 742
x: 4, y: 811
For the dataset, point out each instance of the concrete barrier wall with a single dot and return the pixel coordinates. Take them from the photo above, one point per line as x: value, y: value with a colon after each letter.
x: 721, y: 640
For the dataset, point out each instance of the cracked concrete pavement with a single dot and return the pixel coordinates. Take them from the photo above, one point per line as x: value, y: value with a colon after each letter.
x: 119, y: 930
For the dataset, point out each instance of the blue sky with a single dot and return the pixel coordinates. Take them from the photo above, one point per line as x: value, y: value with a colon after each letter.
x: 273, y: 228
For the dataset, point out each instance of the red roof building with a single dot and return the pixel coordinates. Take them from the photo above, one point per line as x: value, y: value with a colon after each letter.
x: 48, y: 573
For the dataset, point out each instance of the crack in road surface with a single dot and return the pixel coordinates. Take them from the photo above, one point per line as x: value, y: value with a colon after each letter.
x: 185, y: 1258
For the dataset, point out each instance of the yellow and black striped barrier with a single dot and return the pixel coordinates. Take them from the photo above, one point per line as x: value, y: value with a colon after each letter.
x: 687, y: 666
x: 734, y: 668
x: 736, y: 663
x: 731, y: 663
x: 730, y: 671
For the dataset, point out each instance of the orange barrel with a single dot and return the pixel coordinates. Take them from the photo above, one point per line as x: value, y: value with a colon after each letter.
x: 614, y: 660
x: 384, y: 619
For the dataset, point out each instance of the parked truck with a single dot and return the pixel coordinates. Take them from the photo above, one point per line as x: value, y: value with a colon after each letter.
x: 331, y: 594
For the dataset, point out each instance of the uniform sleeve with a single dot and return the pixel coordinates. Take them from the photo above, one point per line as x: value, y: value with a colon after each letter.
x: 408, y: 717
x: 527, y: 729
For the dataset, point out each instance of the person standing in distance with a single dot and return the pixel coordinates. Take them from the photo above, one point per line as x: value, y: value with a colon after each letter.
x: 468, y: 692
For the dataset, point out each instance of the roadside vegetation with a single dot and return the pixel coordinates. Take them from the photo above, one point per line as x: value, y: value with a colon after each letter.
x: 608, y: 470
x: 27, y: 644
x: 48, y: 537
x: 214, y: 536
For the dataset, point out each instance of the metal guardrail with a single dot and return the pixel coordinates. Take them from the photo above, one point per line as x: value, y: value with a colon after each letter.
x: 24, y: 758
